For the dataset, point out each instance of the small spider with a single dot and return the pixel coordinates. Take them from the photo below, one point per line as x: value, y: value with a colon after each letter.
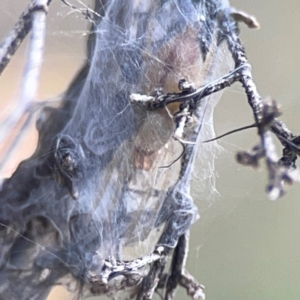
x: 67, y: 161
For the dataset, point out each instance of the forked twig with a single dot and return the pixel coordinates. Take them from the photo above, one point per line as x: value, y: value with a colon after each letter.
x: 264, y: 115
x: 22, y: 28
x: 179, y: 275
x: 131, y: 270
x: 151, y: 281
x: 34, y: 18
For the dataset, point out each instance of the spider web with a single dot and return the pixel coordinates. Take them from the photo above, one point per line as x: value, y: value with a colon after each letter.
x: 139, y: 50
x: 121, y: 149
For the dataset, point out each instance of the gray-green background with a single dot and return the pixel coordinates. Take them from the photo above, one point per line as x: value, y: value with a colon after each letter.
x: 244, y: 246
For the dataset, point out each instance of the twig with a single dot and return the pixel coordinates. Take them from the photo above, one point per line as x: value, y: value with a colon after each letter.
x: 150, y: 282
x: 132, y: 271
x: 15, y: 38
x: 194, y: 289
x: 196, y: 95
x: 18, y: 34
x: 241, y: 16
x: 37, y: 14
x: 111, y: 268
x: 262, y: 117
x: 179, y: 276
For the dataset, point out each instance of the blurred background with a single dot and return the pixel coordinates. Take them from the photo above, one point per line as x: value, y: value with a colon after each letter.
x: 244, y: 246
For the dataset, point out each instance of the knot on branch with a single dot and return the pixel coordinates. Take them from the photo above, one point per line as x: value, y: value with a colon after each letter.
x: 270, y: 111
x: 251, y: 158
x: 280, y: 170
x: 290, y: 152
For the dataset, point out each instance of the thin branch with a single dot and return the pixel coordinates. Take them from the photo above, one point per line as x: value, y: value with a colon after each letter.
x: 130, y: 272
x: 196, y: 95
x: 37, y: 15
x: 178, y: 275
x: 17, y: 35
x: 125, y: 268
x: 15, y: 38
x: 264, y: 114
x: 194, y: 289
x: 241, y: 16
x: 177, y: 266
x: 150, y: 282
